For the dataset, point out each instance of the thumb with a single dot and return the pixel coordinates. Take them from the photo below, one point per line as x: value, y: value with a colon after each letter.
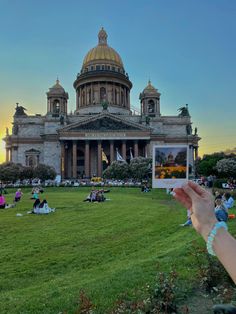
x: 190, y: 192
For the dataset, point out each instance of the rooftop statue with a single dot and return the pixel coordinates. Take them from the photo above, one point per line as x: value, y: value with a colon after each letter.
x: 20, y: 111
x: 184, y: 111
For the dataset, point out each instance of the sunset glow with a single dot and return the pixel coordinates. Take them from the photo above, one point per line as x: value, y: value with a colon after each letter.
x: 176, y: 45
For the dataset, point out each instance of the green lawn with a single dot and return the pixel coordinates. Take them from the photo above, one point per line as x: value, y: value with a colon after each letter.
x: 107, y: 249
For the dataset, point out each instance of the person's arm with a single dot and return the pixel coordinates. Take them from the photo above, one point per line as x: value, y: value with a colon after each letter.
x: 203, y: 218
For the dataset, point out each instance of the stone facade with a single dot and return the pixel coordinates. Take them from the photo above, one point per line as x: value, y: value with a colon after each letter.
x: 102, y: 122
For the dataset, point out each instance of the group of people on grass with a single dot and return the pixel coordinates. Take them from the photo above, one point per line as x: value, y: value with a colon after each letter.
x: 96, y: 195
x: 17, y: 198
x: 38, y: 206
x: 223, y: 203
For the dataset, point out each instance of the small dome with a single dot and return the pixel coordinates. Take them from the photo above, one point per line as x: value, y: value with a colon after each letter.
x: 149, y: 88
x: 57, y: 88
x: 102, y: 53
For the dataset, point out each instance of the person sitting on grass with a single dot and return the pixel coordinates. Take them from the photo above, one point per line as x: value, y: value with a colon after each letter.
x: 41, y: 208
x: 36, y: 206
x: 3, y: 203
x: 228, y: 201
x: 189, y: 221
x: 44, y: 208
x: 220, y: 211
x: 18, y: 195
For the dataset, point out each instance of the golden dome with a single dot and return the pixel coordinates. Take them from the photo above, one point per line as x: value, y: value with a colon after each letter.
x: 102, y: 53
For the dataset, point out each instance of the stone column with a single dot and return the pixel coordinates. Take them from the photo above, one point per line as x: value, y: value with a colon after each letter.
x: 125, y: 97
x: 128, y: 99
x: 196, y: 152
x: 135, y: 148
x: 86, y: 95
x: 74, y: 160
x: 92, y: 98
x: 120, y: 95
x: 87, y: 159
x: 7, y: 155
x: 99, y: 159
x: 124, y: 149
x: 147, y: 150
x: 111, y: 151
x: 62, y: 160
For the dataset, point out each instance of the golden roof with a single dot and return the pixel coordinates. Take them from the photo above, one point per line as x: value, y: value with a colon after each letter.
x: 102, y: 53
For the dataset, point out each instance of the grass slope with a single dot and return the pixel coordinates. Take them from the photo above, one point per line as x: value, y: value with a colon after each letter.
x: 104, y: 248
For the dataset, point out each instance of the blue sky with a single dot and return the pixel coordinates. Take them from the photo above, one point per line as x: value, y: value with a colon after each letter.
x: 186, y: 47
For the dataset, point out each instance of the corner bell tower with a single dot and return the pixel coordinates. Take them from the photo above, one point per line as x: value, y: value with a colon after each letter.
x: 57, y: 100
x: 150, y: 101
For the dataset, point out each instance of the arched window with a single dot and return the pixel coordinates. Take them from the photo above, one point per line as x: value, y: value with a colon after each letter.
x: 56, y: 106
x: 151, y: 106
x: 31, y: 161
x: 102, y: 93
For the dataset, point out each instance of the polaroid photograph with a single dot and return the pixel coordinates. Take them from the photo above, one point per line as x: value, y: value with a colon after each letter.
x: 170, y: 166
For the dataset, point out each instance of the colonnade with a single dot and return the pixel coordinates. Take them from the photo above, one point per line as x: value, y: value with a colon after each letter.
x: 114, y: 93
x: 90, y: 152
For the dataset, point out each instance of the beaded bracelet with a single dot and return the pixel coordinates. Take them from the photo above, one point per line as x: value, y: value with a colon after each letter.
x: 212, y: 234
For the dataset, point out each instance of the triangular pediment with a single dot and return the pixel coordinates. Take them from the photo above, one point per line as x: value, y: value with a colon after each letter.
x: 104, y: 123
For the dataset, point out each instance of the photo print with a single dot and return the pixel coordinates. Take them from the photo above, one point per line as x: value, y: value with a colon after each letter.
x: 170, y: 166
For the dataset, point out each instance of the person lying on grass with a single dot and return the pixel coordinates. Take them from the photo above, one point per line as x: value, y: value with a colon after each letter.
x: 41, y: 208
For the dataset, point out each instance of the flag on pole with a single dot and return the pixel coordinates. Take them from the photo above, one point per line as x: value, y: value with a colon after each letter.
x: 104, y: 157
x: 131, y: 154
x: 119, y: 157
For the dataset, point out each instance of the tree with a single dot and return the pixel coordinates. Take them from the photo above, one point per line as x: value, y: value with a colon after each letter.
x: 227, y: 167
x: 140, y: 168
x: 117, y: 170
x: 27, y: 173
x: 207, y: 165
x: 10, y: 172
x: 180, y: 158
x: 44, y: 172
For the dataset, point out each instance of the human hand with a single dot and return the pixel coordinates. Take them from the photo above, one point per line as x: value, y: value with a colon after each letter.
x: 201, y: 204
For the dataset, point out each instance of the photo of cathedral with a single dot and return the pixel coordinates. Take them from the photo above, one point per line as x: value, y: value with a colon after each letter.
x: 102, y: 122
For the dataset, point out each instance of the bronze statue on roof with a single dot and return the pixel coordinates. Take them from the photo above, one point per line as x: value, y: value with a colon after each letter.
x: 20, y: 110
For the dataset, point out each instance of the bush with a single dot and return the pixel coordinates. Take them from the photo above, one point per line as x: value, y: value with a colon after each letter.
x: 218, y: 183
x: 10, y: 172
x: 117, y: 170
x: 227, y: 167
x: 44, y: 172
x: 139, y: 168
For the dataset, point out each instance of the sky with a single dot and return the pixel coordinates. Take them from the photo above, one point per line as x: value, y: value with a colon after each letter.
x: 186, y: 48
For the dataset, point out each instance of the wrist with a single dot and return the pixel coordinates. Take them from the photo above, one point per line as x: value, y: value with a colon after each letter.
x: 205, y: 231
x: 215, y: 230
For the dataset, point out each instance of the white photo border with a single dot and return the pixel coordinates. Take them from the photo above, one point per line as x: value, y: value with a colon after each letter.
x: 169, y: 183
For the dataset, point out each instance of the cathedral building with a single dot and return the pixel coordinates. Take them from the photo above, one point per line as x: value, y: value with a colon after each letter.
x: 101, y: 124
